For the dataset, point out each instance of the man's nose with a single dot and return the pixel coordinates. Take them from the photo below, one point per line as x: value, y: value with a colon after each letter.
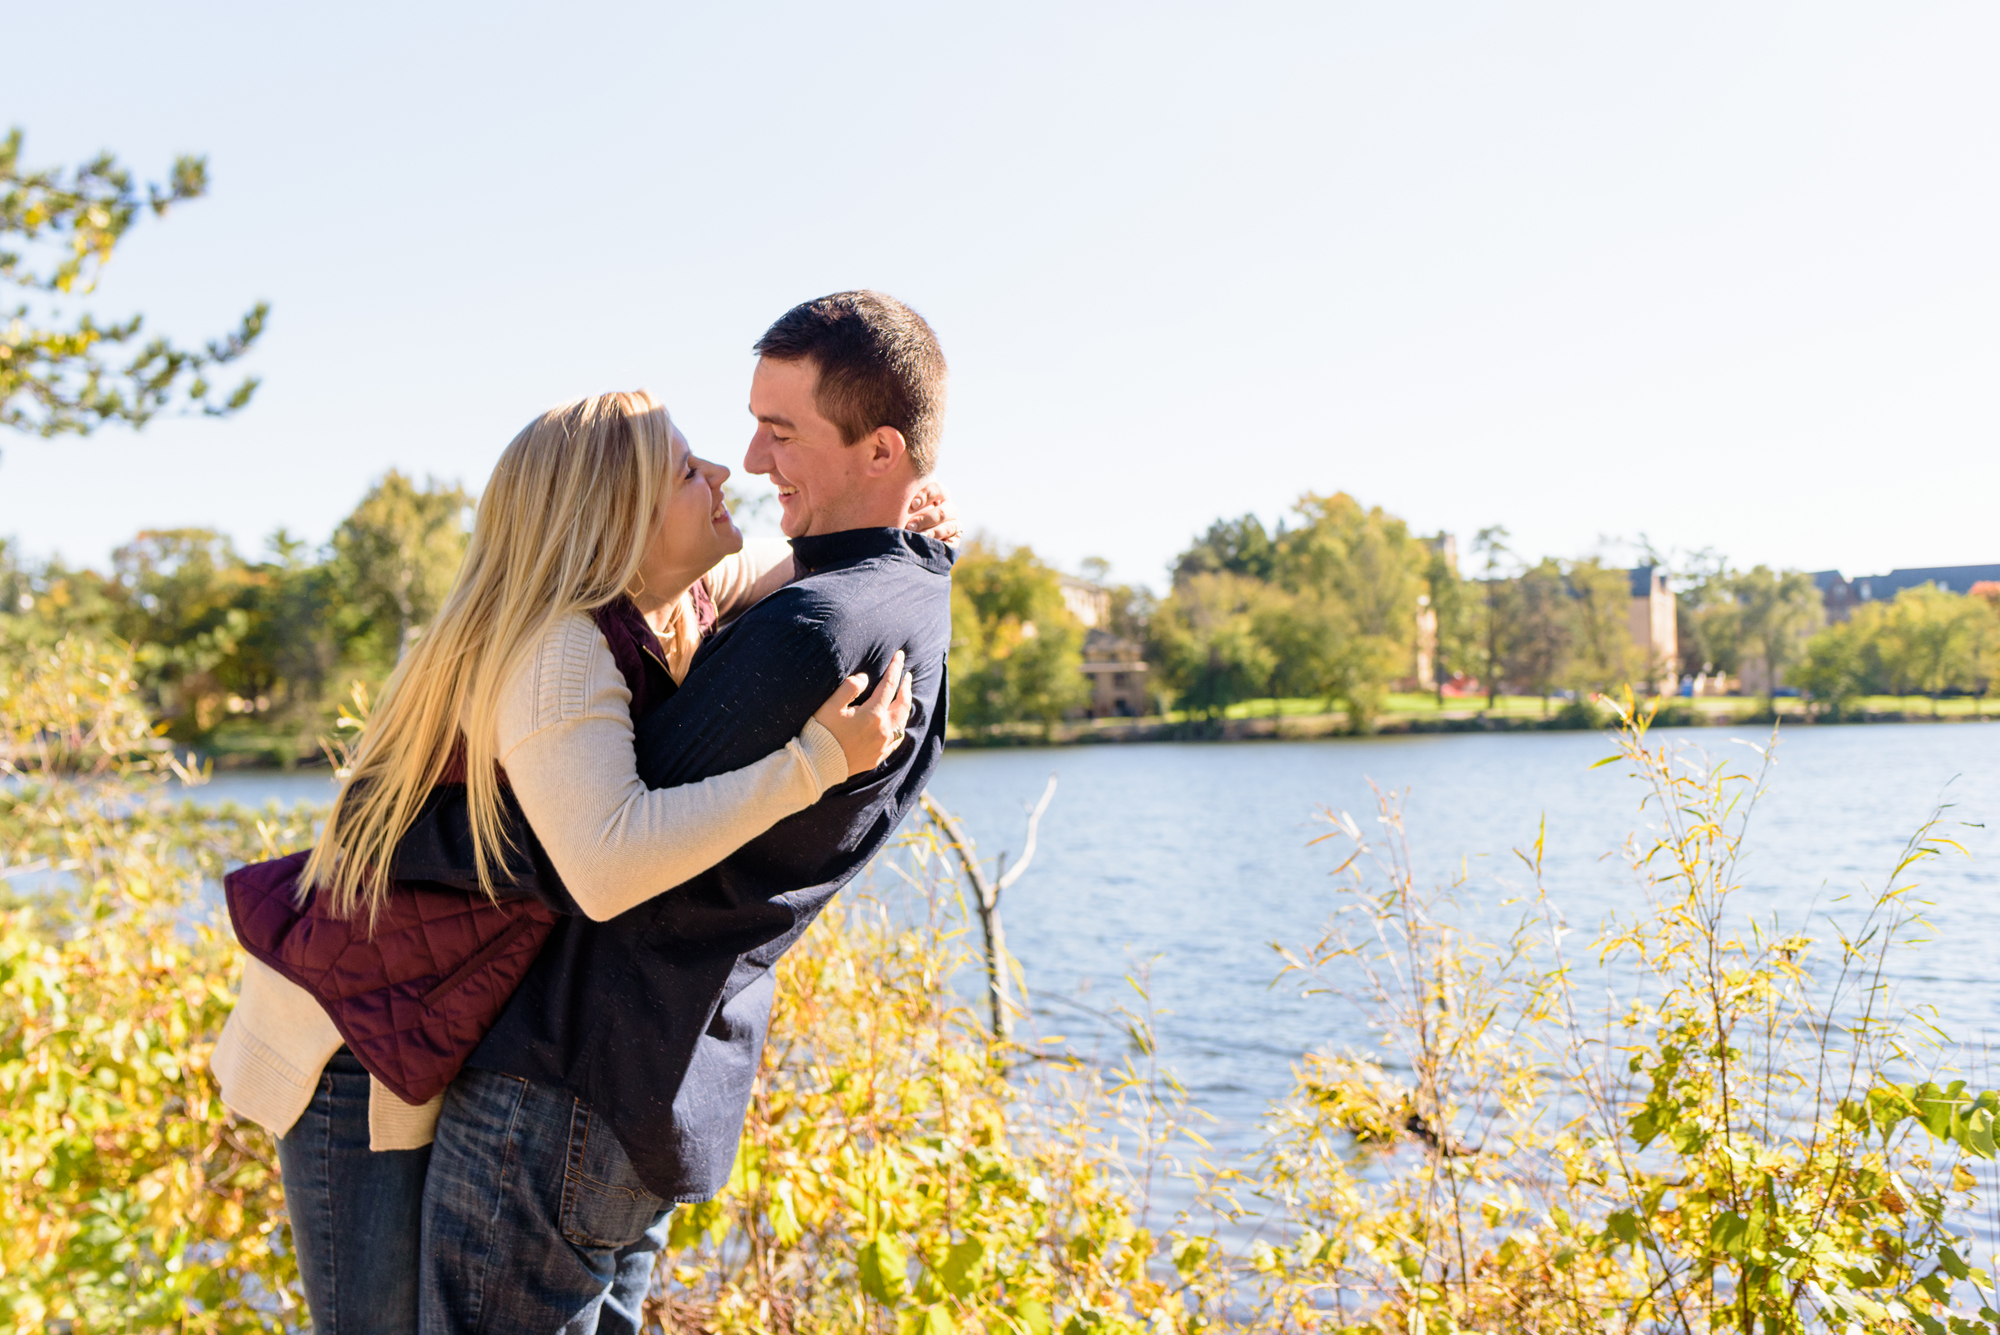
x: 757, y: 459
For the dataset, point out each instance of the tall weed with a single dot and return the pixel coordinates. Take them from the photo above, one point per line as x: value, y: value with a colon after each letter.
x: 1695, y: 1123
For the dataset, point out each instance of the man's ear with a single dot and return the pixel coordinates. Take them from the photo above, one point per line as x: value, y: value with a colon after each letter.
x: 886, y: 450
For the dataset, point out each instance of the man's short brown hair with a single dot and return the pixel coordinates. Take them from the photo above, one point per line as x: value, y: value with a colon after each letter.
x: 879, y: 365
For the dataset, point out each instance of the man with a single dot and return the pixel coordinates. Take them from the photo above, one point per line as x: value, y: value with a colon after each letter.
x: 616, y: 1081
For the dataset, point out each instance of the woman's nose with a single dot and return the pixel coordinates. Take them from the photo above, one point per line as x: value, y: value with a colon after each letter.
x: 717, y: 473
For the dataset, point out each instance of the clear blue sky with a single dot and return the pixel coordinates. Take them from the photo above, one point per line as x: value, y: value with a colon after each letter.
x: 1726, y: 274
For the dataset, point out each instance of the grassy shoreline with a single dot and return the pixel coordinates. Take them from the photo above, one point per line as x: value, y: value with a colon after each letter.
x: 1289, y: 719
x: 1292, y: 720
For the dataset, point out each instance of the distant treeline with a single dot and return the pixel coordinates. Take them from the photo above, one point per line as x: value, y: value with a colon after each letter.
x: 1341, y: 603
x: 252, y: 657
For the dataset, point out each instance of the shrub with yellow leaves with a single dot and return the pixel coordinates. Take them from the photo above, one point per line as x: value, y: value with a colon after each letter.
x: 132, y: 1201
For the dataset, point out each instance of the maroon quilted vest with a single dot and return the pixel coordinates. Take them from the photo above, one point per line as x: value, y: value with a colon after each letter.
x: 413, y: 998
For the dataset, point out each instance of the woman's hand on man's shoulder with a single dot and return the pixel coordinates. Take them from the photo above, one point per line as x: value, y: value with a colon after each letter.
x: 933, y: 514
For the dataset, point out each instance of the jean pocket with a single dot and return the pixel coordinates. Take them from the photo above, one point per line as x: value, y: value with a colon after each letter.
x: 604, y: 1202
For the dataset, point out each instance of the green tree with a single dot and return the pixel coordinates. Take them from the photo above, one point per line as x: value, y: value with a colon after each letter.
x: 184, y: 601
x: 1237, y: 546
x: 1365, y: 558
x: 394, y: 559
x: 291, y: 652
x: 1832, y: 671
x: 1985, y: 643
x: 1327, y: 607
x: 1456, y: 609
x: 1017, y: 651
x: 43, y: 601
x: 1602, y: 655
x: 1205, y: 642
x: 252, y: 656
x: 55, y: 378
x: 1888, y: 656
x: 1317, y: 649
x: 1539, y: 636
x: 1358, y: 577
x: 1774, y: 612
x: 1706, y: 614
x: 1930, y: 635
x: 1495, y: 559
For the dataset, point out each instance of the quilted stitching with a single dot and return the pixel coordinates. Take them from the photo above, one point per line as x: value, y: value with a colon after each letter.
x: 374, y: 988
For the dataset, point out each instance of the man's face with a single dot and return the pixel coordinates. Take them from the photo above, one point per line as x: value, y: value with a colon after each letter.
x: 817, y: 475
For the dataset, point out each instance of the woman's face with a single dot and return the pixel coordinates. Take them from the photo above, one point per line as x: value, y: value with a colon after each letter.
x: 692, y: 529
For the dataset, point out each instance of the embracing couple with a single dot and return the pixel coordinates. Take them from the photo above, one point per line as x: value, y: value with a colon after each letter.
x: 507, y: 1012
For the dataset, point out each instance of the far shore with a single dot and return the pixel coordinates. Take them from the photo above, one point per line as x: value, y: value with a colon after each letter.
x: 1291, y: 720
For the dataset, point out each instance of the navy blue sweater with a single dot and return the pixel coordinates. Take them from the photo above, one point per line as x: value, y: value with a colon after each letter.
x: 656, y: 1019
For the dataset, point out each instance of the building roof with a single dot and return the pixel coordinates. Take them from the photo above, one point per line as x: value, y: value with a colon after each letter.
x: 1642, y: 580
x: 1958, y: 579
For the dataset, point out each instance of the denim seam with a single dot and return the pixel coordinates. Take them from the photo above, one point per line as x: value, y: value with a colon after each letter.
x: 507, y: 1165
x: 329, y: 1266
x: 573, y: 1169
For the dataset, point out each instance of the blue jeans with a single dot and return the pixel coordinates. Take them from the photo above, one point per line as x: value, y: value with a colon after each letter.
x: 533, y: 1220
x: 355, y: 1214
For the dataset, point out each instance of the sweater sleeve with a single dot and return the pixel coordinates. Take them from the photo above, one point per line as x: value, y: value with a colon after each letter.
x: 756, y: 572
x: 566, y: 743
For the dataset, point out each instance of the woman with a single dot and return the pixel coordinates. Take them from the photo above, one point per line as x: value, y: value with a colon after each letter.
x: 598, y: 525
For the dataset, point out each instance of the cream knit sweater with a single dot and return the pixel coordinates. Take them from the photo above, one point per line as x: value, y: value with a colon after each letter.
x: 565, y: 740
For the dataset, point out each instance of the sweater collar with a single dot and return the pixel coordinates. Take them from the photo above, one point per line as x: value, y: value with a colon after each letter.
x: 821, y: 551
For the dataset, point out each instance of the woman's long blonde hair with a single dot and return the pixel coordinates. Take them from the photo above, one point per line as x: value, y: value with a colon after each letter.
x: 561, y: 528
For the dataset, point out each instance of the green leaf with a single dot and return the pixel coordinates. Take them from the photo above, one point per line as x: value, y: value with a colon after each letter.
x: 961, y: 1263
x: 691, y: 1221
x: 933, y: 1320
x: 1645, y: 1126
x: 1188, y: 1254
x: 1937, y: 1106
x: 885, y: 1269
x: 1624, y: 1226
x: 1034, y: 1317
x: 1953, y: 1266
x: 1979, y: 1133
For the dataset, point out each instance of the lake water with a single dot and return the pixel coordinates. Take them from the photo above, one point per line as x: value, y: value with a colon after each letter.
x: 1195, y: 856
